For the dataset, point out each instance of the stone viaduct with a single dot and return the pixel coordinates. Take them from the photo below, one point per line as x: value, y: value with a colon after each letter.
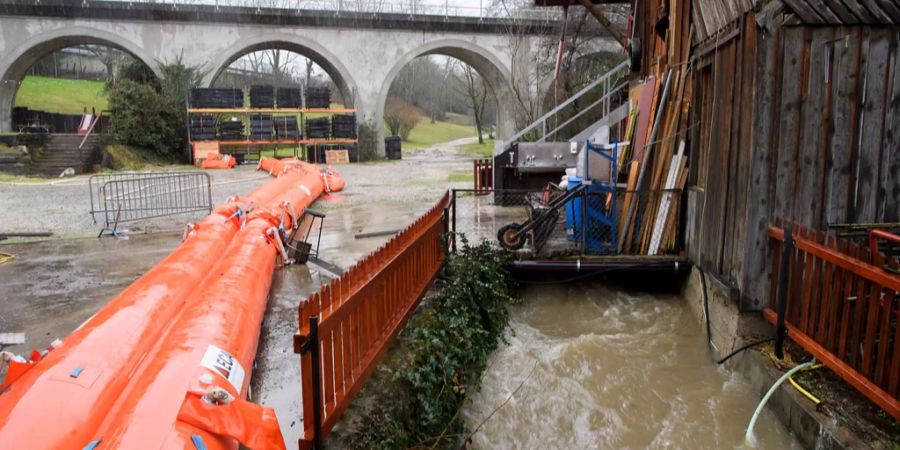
x: 361, y: 52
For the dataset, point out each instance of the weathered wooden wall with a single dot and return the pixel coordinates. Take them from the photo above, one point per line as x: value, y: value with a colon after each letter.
x: 826, y: 135
x: 787, y: 119
x: 721, y: 149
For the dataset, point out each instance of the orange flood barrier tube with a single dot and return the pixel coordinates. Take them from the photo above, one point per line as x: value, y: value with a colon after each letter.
x: 61, y: 401
x: 211, y: 348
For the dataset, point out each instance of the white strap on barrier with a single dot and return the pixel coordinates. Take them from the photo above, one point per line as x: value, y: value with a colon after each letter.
x: 276, y: 236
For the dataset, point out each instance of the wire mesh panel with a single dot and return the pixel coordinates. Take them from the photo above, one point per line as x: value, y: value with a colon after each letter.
x: 560, y: 223
x: 128, y: 197
x: 481, y: 215
x: 632, y: 223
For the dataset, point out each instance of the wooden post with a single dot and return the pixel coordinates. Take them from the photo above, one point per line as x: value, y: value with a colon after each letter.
x: 783, y: 279
x: 316, y: 382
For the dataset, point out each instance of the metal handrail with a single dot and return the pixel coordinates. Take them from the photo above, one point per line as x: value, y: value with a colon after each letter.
x: 602, y: 100
x: 440, y: 8
x: 541, y: 122
x: 91, y: 129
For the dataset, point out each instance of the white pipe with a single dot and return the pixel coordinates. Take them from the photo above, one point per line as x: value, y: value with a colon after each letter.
x: 749, y: 436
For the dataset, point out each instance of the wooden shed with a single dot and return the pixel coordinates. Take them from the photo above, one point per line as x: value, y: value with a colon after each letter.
x: 790, y: 110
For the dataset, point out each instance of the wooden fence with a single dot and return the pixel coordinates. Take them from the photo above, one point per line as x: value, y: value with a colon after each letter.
x: 347, y: 326
x: 483, y: 170
x: 842, y: 307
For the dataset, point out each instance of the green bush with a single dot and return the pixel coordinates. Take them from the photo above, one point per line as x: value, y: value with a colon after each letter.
x: 143, y: 118
x: 445, y: 350
x: 149, y: 112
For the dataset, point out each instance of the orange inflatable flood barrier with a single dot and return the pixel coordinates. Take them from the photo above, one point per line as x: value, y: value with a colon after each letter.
x: 218, y: 162
x: 157, y: 367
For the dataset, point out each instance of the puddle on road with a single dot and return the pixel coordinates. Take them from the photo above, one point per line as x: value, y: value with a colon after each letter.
x: 606, y: 368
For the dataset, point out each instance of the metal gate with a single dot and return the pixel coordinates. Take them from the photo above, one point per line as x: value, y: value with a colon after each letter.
x: 130, y: 196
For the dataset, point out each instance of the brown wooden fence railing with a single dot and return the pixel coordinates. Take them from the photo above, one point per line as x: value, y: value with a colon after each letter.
x: 484, y: 175
x: 347, y: 326
x: 842, y: 307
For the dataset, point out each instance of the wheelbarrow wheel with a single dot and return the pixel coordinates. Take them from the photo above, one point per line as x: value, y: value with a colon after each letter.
x: 508, y: 239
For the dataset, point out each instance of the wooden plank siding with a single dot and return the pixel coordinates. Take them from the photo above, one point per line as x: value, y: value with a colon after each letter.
x: 836, y: 153
x: 796, y: 117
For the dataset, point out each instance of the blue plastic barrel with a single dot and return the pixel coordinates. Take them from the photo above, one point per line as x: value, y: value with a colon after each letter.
x: 573, y: 212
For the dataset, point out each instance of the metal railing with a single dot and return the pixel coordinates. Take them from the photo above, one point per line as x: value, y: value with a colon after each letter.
x: 591, y: 223
x: 835, y: 299
x: 441, y: 8
x: 131, y: 196
x: 345, y: 328
x: 613, y: 84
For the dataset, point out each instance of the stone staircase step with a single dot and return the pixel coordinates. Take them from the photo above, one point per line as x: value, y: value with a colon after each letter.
x: 61, y: 152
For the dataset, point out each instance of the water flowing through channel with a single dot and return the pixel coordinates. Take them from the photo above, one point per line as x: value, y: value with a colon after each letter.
x: 607, y: 368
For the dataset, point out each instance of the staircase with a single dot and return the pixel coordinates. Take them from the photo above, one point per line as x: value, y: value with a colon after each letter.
x: 612, y: 106
x: 61, y: 152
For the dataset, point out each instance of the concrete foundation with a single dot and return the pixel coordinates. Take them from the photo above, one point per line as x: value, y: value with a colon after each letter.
x: 730, y: 328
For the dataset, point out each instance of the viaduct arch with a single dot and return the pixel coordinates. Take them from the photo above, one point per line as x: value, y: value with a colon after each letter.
x: 362, y: 55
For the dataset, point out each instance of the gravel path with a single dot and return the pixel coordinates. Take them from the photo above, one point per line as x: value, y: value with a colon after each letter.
x: 62, y: 206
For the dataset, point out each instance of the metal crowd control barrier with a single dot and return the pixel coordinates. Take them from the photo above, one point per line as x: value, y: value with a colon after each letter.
x: 835, y: 299
x: 346, y: 327
x: 129, y: 197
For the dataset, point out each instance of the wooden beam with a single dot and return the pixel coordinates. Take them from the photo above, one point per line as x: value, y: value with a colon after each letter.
x: 607, y: 24
x: 806, y: 12
x: 845, y: 16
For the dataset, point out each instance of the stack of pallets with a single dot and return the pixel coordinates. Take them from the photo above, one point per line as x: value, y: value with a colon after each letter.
x: 318, y: 128
x: 262, y: 97
x: 261, y: 127
x: 286, y: 128
x: 232, y: 130
x: 289, y: 98
x: 318, y: 97
x: 343, y: 126
x: 203, y: 127
x: 217, y: 98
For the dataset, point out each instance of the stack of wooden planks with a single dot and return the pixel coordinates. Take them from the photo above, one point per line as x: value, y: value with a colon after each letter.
x: 657, y: 167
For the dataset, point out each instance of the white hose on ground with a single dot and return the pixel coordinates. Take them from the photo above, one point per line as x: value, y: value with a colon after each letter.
x: 749, y: 436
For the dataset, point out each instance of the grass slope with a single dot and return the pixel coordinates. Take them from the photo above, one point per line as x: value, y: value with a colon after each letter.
x: 61, y: 95
x: 426, y: 134
x: 481, y: 150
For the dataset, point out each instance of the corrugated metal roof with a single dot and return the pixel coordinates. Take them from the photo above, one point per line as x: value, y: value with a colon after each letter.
x: 710, y: 16
x: 846, y: 12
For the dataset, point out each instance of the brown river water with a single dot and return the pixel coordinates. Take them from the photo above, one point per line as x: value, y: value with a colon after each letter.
x: 598, y: 367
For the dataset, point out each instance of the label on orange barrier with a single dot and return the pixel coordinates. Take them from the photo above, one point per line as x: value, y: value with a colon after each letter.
x: 224, y: 364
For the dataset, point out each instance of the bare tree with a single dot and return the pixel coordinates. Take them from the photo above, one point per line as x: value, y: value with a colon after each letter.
x: 587, y: 50
x: 421, y: 83
x: 110, y: 57
x: 401, y: 117
x: 470, y: 84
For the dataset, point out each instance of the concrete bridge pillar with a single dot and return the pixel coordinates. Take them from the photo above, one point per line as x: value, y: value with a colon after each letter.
x: 7, y: 100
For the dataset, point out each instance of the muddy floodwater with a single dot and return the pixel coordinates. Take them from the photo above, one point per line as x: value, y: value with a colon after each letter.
x: 598, y: 367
